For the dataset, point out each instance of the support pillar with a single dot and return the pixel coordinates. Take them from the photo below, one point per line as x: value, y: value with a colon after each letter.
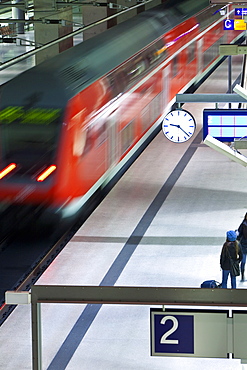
x: 45, y: 32
x: 18, y: 14
x: 92, y: 14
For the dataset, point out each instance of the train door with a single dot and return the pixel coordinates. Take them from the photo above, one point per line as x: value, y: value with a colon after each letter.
x: 200, y: 56
x: 112, y: 149
x: 165, y: 88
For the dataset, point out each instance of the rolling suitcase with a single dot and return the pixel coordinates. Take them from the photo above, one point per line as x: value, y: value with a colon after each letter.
x: 212, y: 284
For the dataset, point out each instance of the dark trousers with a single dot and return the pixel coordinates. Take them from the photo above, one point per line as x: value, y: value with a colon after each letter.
x: 242, y: 265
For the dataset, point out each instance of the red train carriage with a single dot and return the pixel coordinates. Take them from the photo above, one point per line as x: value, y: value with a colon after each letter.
x: 84, y: 113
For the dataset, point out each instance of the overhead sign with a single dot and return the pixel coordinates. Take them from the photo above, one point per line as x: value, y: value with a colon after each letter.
x: 239, y: 25
x: 228, y: 2
x: 234, y: 24
x: 198, y: 333
x: 228, y: 24
x: 225, y: 124
x: 173, y: 333
x: 240, y: 11
x: 189, y: 333
x: 239, y: 334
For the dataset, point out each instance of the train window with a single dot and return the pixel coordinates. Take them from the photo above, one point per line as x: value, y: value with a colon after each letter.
x: 145, y: 118
x: 175, y: 66
x: 191, y: 52
x: 30, y: 146
x: 212, y: 52
x: 117, y: 82
x: 127, y: 136
x: 155, y: 107
x: 88, y: 139
x: 157, y: 54
x: 133, y: 70
x: 136, y: 69
x: 138, y: 66
x: 79, y: 142
x: 101, y: 134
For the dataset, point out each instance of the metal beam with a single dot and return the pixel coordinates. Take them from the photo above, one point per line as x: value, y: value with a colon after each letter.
x: 138, y: 295
x: 225, y: 150
x: 21, y: 5
x: 124, y: 295
x: 11, y: 20
x: 229, y: 49
x: 209, y: 98
x: 11, y: 5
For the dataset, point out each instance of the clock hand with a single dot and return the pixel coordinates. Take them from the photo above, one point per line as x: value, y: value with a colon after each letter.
x: 178, y: 126
x: 183, y: 131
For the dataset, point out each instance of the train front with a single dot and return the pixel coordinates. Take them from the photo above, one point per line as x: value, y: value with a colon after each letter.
x: 30, y: 130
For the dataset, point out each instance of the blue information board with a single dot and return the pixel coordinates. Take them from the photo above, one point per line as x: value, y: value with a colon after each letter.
x: 240, y: 11
x: 225, y: 124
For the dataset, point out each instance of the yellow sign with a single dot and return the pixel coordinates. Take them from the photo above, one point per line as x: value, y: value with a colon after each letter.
x: 239, y: 25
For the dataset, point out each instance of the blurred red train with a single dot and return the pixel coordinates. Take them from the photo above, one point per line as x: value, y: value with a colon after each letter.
x: 70, y: 124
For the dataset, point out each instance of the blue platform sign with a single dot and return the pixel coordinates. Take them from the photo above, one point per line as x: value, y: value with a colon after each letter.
x: 229, y: 25
x: 174, y: 333
x: 189, y: 333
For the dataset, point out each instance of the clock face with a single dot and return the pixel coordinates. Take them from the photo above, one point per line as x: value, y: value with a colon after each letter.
x: 178, y: 126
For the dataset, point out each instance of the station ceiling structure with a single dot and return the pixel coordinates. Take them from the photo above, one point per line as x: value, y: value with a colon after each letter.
x: 29, y: 7
x: 54, y: 19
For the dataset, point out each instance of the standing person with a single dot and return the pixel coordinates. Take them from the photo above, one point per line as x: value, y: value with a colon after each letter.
x: 242, y: 237
x: 231, y: 249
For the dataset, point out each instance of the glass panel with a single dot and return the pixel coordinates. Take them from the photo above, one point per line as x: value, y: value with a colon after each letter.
x: 29, y: 137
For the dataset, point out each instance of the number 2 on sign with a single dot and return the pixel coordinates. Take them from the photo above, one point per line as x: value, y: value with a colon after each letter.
x: 164, y: 339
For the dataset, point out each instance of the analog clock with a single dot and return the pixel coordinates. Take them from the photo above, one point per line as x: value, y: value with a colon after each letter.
x: 178, y: 126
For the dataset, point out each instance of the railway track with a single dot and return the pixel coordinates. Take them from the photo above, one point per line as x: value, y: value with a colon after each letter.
x: 25, y: 256
x: 33, y: 272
